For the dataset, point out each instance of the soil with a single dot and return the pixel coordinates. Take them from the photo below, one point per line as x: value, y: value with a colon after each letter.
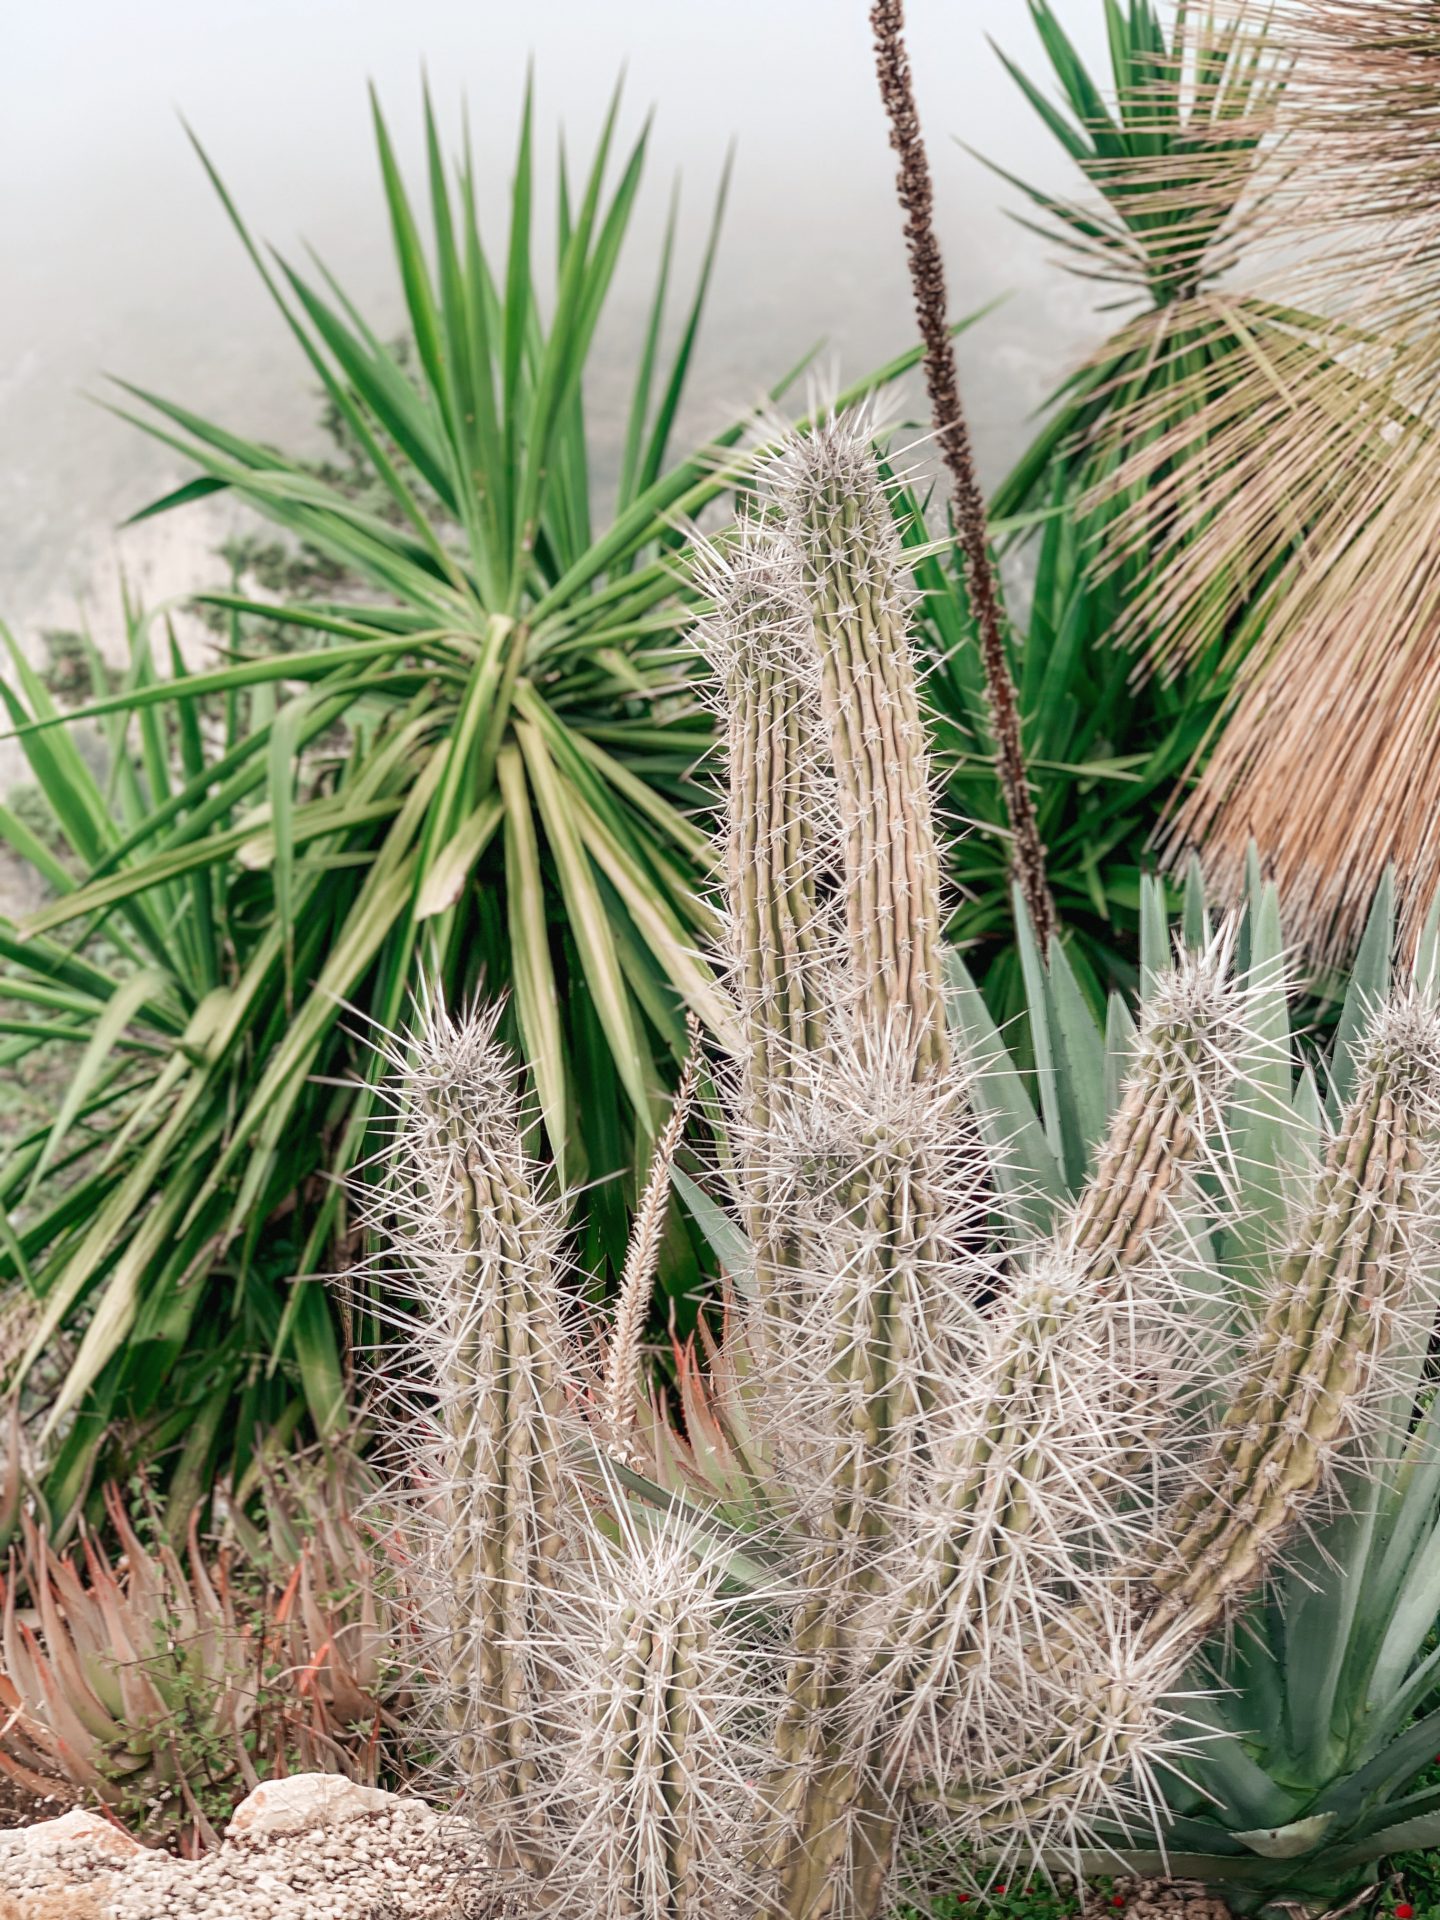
x: 19, y: 1807
x: 22, y: 1807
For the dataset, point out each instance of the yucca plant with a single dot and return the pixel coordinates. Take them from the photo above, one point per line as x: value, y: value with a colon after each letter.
x: 475, y: 767
x: 1169, y: 144
x: 1288, y: 505
x: 1015, y: 1413
x: 1106, y: 755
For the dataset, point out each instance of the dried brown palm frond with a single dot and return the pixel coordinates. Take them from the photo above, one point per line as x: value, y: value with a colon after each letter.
x: 1329, y: 758
x: 1238, y: 492
x: 1362, y: 130
x: 1286, y: 512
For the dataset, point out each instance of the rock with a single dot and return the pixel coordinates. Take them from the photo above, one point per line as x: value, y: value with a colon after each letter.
x: 304, y: 1800
x: 80, y: 1828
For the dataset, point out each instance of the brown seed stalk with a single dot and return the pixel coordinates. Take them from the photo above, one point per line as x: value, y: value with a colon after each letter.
x: 952, y: 434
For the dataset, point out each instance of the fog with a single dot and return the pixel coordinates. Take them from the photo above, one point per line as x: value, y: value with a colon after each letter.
x: 119, y: 260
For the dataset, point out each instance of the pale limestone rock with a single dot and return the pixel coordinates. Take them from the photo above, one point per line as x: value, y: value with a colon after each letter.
x: 80, y: 1828
x: 305, y: 1800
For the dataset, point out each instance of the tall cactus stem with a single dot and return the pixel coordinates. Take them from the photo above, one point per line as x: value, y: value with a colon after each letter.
x: 484, y: 1382
x: 836, y: 512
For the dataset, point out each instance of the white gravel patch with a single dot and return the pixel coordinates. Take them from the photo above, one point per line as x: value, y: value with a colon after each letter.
x: 405, y: 1863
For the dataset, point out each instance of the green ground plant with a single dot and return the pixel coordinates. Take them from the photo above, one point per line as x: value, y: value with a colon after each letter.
x: 163, y: 1683
x: 1318, y: 1711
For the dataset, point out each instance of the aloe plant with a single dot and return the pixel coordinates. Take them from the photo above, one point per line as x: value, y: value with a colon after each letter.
x: 163, y: 1683
x: 1016, y: 1411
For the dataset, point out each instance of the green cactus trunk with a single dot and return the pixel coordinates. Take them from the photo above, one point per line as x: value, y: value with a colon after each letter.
x: 989, y: 1503
x: 1334, y: 1300
x: 648, y: 1720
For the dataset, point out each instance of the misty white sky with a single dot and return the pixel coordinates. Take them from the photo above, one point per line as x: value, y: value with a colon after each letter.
x: 117, y: 258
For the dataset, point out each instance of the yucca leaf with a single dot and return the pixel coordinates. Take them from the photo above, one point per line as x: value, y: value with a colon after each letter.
x: 588, y: 920
x: 1029, y: 1171
x: 1369, y: 980
x: 537, y: 997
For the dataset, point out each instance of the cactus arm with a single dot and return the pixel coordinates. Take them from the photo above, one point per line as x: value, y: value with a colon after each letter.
x: 1340, y: 1285
x: 871, y: 1271
x: 1337, y: 1295
x: 756, y: 637
x: 838, y: 515
x: 1056, y: 1422
x: 659, y: 1786
x: 776, y: 822
x: 482, y: 1377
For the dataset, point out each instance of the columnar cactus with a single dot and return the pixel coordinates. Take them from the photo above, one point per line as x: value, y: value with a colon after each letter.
x: 1000, y: 1480
x: 481, y: 1245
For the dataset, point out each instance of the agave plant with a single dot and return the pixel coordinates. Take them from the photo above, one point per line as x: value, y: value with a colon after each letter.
x: 1316, y: 1708
x: 476, y: 765
x: 1015, y: 1412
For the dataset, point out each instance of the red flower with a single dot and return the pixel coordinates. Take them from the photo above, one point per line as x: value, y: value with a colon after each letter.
x: 1404, y: 1911
x: 1117, y: 1899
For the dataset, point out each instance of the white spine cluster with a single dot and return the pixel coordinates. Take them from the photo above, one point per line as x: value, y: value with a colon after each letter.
x: 659, y: 1702
x: 478, y: 1389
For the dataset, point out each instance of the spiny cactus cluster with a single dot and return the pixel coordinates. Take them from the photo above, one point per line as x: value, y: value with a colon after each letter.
x: 988, y: 1486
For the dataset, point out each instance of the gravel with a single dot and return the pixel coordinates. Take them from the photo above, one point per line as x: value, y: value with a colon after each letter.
x: 407, y: 1863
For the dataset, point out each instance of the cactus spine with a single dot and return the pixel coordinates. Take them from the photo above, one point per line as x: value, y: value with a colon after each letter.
x: 1351, y: 1271
x: 879, y: 1106
x: 1311, y: 1374
x: 1008, y: 1480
